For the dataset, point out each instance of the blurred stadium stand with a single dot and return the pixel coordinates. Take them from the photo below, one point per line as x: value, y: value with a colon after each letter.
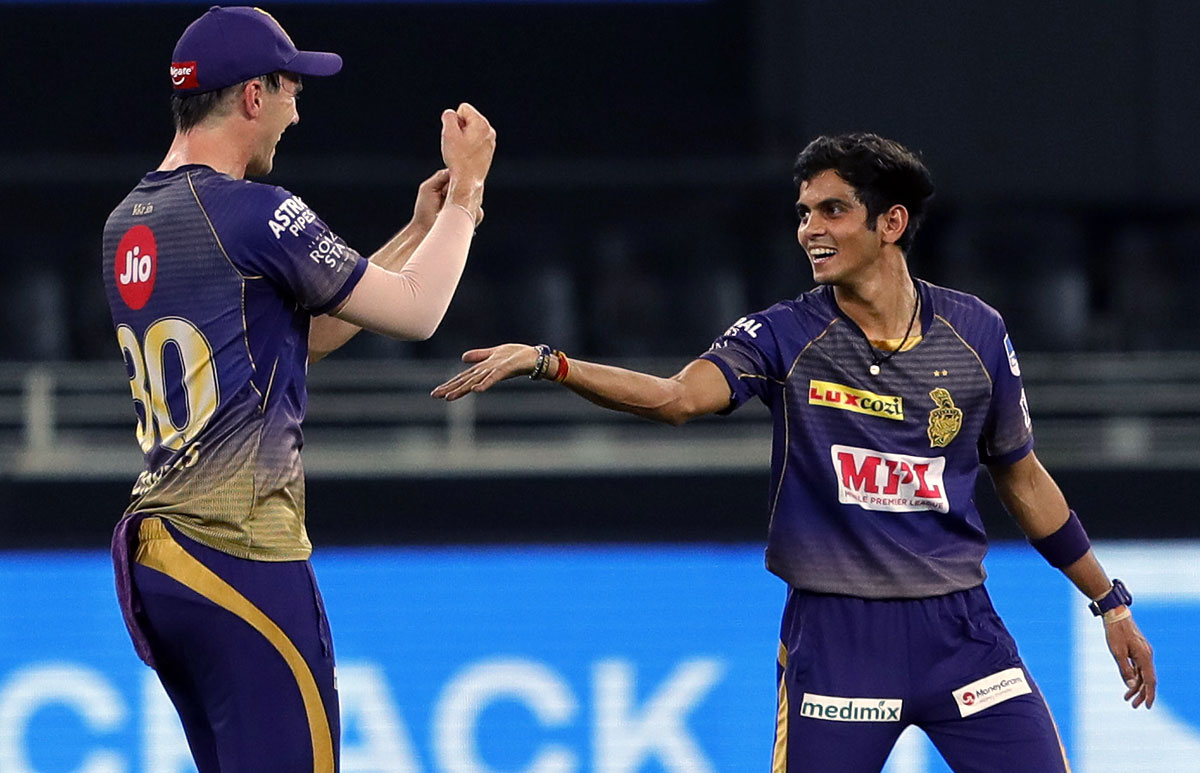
x: 640, y: 202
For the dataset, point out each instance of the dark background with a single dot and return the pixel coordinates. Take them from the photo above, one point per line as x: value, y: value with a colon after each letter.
x: 641, y: 200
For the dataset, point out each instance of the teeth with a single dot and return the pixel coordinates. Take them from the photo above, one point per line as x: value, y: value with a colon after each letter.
x: 822, y: 253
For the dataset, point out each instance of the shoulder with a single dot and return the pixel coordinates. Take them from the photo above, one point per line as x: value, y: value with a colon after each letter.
x: 803, y: 318
x: 968, y: 315
x: 253, y: 211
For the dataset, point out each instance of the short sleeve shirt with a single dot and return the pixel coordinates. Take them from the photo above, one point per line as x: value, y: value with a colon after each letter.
x: 212, y: 283
x: 873, y: 476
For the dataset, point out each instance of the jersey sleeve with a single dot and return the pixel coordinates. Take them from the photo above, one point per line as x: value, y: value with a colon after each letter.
x: 748, y: 354
x: 283, y: 240
x: 1008, y: 431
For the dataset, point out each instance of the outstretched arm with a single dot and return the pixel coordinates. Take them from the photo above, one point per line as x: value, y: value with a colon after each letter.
x: 327, y: 333
x: 699, y: 389
x: 1039, y: 508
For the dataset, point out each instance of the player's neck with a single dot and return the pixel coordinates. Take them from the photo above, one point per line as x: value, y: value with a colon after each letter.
x: 211, y: 147
x: 881, y: 303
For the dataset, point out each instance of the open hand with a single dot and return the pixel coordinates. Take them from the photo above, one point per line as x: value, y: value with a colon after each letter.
x: 491, y: 366
x: 1135, y: 659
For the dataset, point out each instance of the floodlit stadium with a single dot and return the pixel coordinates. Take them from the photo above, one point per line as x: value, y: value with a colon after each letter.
x: 523, y: 582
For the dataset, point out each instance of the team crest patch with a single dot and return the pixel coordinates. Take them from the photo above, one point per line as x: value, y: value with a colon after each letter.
x: 945, y: 420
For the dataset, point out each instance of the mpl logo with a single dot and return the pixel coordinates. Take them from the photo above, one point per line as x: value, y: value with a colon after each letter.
x: 136, y: 266
x: 892, y: 483
x: 184, y: 75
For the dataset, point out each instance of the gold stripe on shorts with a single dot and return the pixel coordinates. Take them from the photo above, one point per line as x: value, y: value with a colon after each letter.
x: 159, y: 551
x: 779, y: 756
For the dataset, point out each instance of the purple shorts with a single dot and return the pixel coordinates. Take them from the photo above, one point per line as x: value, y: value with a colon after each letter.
x: 242, y: 648
x: 853, y: 673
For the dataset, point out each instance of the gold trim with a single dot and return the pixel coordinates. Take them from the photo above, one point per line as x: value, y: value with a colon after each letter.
x: 159, y: 551
x: 970, y: 348
x: 1057, y: 735
x: 243, y: 277
x: 270, y: 383
x: 787, y: 424
x: 213, y: 228
x: 779, y: 753
x: 893, y: 345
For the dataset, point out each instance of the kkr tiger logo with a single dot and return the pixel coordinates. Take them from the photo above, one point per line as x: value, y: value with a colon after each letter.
x: 945, y: 420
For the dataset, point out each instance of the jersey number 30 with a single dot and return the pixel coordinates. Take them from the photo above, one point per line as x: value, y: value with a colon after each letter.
x: 197, y: 385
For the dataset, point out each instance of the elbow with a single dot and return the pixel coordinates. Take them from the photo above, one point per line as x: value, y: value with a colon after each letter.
x: 676, y: 413
x: 421, y: 332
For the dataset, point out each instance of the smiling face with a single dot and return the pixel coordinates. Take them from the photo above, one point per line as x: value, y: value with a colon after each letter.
x: 834, y: 229
x: 279, y: 111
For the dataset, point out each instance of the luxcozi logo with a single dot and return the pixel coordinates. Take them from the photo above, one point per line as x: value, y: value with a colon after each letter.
x: 893, y: 483
x: 831, y: 395
x: 836, y: 709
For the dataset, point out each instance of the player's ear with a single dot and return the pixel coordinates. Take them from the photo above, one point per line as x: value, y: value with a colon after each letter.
x: 892, y: 224
x: 251, y: 97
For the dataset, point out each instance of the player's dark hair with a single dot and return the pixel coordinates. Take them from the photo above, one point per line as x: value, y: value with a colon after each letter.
x: 883, y: 173
x: 189, y: 110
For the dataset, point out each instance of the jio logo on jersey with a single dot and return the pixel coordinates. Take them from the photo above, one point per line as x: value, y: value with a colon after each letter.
x: 136, y: 265
x: 891, y: 483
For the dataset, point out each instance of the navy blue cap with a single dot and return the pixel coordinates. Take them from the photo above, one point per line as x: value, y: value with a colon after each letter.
x: 230, y: 45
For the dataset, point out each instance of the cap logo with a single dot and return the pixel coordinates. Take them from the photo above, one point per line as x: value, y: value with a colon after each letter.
x: 183, y: 75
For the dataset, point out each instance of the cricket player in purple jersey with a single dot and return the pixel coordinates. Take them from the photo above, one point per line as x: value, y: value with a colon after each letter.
x: 886, y: 393
x: 222, y: 292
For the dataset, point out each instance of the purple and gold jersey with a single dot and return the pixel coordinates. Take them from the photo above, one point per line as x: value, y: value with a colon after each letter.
x: 212, y: 282
x: 873, y: 476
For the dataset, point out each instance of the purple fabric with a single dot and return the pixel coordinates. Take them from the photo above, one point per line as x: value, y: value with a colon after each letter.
x: 229, y: 45
x: 124, y: 546
x: 879, y: 658
x: 1065, y: 546
x: 236, y: 696
x: 873, y: 475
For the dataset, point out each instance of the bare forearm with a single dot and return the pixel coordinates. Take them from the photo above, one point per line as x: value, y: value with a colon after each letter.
x: 1038, y: 506
x: 327, y: 333
x: 698, y: 389
x: 619, y: 389
x: 1031, y: 497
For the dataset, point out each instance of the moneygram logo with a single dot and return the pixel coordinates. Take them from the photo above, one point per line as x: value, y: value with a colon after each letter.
x: 183, y: 75
x: 850, y: 709
x: 892, y: 483
x: 831, y: 395
x: 990, y: 690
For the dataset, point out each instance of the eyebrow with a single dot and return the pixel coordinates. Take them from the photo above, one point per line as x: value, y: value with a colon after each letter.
x: 802, y: 209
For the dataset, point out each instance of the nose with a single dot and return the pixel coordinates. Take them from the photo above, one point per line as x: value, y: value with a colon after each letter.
x: 809, y: 227
x: 295, y: 115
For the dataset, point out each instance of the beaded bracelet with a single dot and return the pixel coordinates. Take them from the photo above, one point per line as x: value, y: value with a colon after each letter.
x: 539, y: 369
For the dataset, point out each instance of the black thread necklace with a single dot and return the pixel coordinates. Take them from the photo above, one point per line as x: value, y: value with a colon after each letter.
x: 876, y: 360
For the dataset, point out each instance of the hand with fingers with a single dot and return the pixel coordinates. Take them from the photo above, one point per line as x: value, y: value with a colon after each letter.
x: 431, y: 197
x: 489, y: 367
x: 468, y: 144
x: 1135, y: 659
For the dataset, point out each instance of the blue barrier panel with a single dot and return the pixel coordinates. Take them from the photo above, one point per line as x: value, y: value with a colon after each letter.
x: 567, y: 660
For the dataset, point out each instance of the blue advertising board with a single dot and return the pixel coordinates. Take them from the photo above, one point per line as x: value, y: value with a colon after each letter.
x: 568, y: 660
